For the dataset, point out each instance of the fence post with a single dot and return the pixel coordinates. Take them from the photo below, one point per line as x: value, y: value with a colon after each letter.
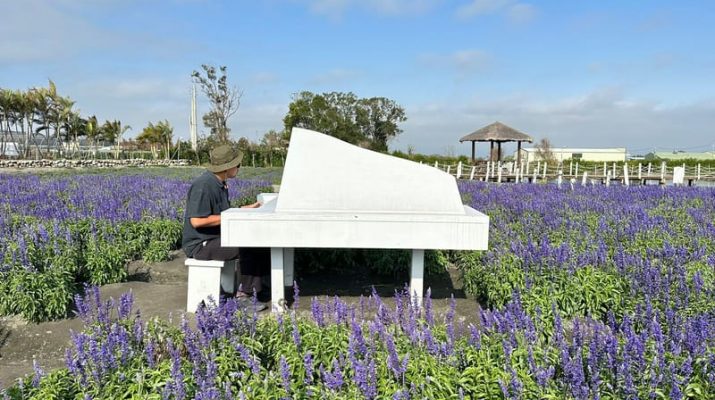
x: 486, y: 175
x: 605, y: 169
x: 576, y: 174
x: 543, y: 176
x: 649, y: 169
x: 698, y: 171
x: 471, y: 174
x: 571, y: 168
x: 608, y: 178
x: 559, y: 178
x: 640, y: 175
x: 436, y: 164
x: 459, y: 170
x: 499, y: 172
x: 662, y: 171
x: 625, y: 175
x: 448, y: 168
x: 613, y: 174
x: 583, y: 180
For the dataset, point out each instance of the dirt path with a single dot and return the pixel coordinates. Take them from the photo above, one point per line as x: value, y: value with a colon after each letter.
x: 160, y: 290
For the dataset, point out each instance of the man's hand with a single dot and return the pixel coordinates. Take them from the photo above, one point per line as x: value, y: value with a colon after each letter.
x: 254, y: 205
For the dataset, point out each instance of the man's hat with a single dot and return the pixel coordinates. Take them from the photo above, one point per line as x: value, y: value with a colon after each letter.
x: 224, y: 157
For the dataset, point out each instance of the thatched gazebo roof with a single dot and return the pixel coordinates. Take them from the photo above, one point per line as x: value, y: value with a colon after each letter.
x: 499, y: 133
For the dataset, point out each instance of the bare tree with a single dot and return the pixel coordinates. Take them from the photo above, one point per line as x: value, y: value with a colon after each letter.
x: 545, y: 150
x: 224, y: 100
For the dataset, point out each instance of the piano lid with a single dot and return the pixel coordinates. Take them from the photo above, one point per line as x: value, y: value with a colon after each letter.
x: 325, y: 174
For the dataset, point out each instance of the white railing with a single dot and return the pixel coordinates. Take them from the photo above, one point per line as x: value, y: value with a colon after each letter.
x: 604, y: 173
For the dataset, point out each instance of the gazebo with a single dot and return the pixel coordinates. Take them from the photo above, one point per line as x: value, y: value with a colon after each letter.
x: 499, y: 133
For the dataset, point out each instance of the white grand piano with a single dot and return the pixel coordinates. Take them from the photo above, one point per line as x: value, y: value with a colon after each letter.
x: 336, y: 195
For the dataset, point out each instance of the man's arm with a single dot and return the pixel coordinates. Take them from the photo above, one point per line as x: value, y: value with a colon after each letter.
x: 205, y: 222
x: 215, y: 220
x: 254, y: 205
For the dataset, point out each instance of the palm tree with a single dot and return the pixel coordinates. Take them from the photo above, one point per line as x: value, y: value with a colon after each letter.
x: 43, y: 103
x: 5, y: 118
x: 112, y: 131
x: 156, y: 136
x: 94, y: 132
x: 74, y: 127
x: 31, y: 111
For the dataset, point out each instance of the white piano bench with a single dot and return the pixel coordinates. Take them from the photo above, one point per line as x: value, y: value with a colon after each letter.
x: 206, y: 278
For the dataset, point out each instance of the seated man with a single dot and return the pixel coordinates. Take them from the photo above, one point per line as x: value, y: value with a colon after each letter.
x: 207, y: 197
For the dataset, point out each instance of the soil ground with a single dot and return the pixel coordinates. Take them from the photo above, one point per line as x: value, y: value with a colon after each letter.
x: 160, y: 290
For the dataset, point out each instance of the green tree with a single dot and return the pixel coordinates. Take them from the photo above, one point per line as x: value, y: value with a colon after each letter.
x: 224, y: 99
x: 112, y: 132
x: 94, y: 132
x: 157, y: 136
x: 370, y: 122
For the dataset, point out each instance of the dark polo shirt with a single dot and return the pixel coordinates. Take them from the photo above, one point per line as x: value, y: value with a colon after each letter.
x: 207, y: 196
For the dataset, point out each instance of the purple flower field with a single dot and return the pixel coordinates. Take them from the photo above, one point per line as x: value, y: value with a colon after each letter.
x: 595, y: 293
x: 58, y: 232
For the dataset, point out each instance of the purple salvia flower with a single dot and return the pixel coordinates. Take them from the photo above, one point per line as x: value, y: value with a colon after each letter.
x: 317, y: 310
x: 149, y: 351
x: 308, y: 366
x: 333, y: 380
x: 126, y: 301
x: 296, y: 293
x: 296, y: 331
x: 285, y: 375
x: 38, y: 373
x: 177, y: 375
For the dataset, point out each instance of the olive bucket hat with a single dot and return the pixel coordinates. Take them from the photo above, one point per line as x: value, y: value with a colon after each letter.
x: 224, y: 157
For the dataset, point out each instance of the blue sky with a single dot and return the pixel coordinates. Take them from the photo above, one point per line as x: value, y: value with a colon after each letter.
x: 635, y: 74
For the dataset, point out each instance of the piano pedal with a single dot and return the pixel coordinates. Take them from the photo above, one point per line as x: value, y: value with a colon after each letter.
x: 283, y: 304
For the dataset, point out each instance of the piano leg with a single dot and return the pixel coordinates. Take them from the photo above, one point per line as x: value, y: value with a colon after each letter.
x: 277, y: 280
x: 288, y: 267
x: 417, y: 276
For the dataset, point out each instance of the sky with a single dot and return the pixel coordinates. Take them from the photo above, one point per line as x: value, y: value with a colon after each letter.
x: 634, y: 74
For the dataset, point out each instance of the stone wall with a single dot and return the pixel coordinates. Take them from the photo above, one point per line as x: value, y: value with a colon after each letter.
x: 137, y: 162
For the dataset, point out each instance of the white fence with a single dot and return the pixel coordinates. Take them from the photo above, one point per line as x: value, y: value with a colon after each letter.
x: 603, y: 173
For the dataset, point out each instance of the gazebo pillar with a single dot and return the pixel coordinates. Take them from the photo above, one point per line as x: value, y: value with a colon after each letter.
x: 472, y: 152
x: 518, y: 153
x: 491, y: 150
x: 498, y: 151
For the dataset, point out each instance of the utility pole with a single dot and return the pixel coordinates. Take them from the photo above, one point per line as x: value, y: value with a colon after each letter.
x: 192, y: 120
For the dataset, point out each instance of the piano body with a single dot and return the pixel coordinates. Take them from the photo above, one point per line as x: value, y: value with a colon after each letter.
x: 336, y: 195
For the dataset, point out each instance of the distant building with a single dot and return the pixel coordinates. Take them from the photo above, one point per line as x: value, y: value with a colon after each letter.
x: 564, y: 154
x: 10, y: 149
x: 680, y: 155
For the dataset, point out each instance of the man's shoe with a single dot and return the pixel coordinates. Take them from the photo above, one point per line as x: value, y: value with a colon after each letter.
x: 249, y: 304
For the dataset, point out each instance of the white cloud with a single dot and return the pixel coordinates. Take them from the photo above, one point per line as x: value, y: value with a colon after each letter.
x: 54, y: 31
x: 464, y: 62
x: 482, y: 7
x: 35, y: 31
x: 138, y: 101
x: 514, y: 11
x: 521, y: 13
x: 602, y: 118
